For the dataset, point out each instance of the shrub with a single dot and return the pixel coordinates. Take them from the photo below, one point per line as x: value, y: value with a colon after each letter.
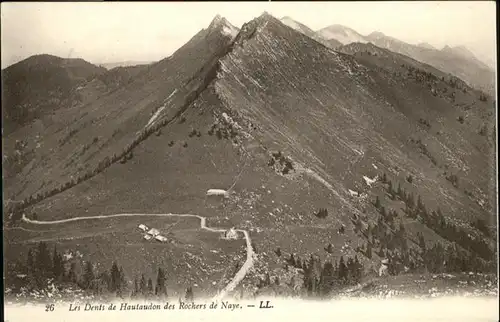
x: 461, y: 119
x: 424, y: 122
x: 192, y: 133
x: 322, y: 213
x: 453, y: 179
x: 484, y: 130
x: 185, y: 145
x: 219, y: 134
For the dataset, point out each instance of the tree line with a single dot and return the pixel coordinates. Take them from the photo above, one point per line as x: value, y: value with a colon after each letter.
x: 43, y: 267
x: 436, y: 221
x: 320, y: 279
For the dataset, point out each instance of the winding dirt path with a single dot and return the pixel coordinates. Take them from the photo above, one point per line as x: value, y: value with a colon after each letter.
x: 240, y: 275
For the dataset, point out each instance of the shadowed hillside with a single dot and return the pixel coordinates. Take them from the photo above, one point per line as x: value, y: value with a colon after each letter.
x: 39, y: 85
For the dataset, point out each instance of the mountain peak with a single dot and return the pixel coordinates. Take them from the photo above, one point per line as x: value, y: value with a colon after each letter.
x: 267, y: 17
x: 222, y: 24
x: 342, y: 34
x: 217, y: 21
x: 266, y: 14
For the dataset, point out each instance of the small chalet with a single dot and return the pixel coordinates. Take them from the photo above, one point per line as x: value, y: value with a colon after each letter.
x: 154, y: 232
x: 161, y: 238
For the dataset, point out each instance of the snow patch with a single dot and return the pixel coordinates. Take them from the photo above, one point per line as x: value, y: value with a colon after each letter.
x: 229, y: 30
x: 353, y: 193
x: 157, y: 113
x: 370, y: 181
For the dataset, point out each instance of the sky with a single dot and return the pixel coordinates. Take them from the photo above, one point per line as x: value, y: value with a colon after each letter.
x: 107, y: 32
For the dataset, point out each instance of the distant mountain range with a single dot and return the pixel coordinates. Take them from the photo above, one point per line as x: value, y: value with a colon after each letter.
x: 124, y: 64
x: 458, y: 61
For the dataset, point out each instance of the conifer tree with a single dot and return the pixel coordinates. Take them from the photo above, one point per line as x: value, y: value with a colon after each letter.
x: 358, y: 270
x: 114, y: 285
x: 150, y: 286
x: 189, y: 294
x: 327, y: 278
x: 143, y: 286
x: 161, y: 289
x: 57, y: 264
x: 88, y: 276
x: 43, y: 260
x: 383, y: 212
x: 30, y: 262
x: 72, y: 273
x: 351, y: 270
x: 267, y: 280
x: 136, y: 290
x: 421, y: 241
x: 342, y: 271
x: 122, y: 282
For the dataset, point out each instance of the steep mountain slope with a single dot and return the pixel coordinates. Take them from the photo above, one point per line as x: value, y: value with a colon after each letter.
x: 461, y: 51
x: 39, y: 85
x: 453, y: 61
x: 71, y: 145
x: 303, y: 139
x: 458, y: 61
x: 330, y: 42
